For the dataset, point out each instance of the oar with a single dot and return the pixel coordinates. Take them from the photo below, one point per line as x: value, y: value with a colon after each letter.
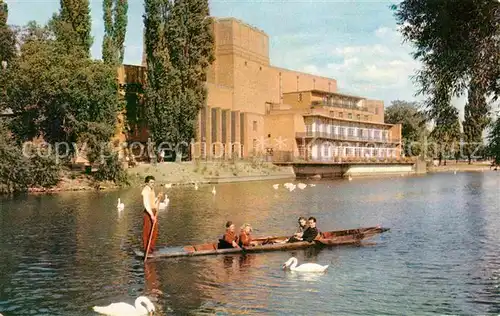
x: 152, y: 229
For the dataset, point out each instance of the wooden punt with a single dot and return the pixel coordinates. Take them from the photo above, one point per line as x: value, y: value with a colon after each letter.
x: 330, y: 238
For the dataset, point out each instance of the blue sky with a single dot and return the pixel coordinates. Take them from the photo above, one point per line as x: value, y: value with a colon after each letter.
x: 355, y: 42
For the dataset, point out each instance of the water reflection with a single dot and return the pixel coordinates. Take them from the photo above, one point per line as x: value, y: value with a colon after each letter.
x: 62, y: 254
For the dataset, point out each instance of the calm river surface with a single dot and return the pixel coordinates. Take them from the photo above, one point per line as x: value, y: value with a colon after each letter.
x: 62, y: 254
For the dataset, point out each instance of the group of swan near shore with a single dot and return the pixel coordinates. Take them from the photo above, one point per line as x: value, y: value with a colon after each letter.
x: 143, y: 306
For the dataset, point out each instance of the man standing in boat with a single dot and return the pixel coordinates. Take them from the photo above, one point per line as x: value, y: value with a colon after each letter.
x: 150, y: 211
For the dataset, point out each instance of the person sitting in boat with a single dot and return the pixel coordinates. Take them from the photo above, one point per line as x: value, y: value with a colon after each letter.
x: 312, y: 231
x: 309, y: 234
x: 245, y: 239
x: 298, y: 234
x: 302, y: 226
x: 229, y: 240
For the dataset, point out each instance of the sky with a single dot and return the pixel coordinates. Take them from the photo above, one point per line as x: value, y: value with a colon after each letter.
x: 355, y: 42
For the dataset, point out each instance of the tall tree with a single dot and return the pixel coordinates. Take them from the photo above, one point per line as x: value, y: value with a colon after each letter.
x: 191, y: 52
x: 7, y: 38
x: 184, y: 29
x: 73, y: 25
x: 115, y: 27
x: 476, y: 119
x: 457, y: 40
x: 494, y: 142
x: 160, y: 102
x: 412, y: 122
x: 446, y: 132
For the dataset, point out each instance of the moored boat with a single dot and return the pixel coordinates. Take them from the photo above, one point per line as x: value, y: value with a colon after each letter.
x: 325, y: 239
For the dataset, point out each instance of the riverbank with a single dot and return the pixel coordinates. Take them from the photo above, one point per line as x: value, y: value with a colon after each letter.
x: 176, y: 174
x: 452, y: 166
x: 76, y: 181
x: 186, y: 173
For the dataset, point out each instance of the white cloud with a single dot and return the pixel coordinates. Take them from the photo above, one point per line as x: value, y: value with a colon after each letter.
x: 379, y: 70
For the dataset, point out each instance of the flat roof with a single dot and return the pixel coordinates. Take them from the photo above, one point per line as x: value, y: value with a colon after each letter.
x: 233, y: 19
x: 326, y: 92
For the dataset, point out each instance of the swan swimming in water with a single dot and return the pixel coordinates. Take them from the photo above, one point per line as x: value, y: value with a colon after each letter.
x: 163, y: 204
x: 305, y: 267
x: 302, y: 186
x: 124, y: 309
x: 276, y: 186
x: 120, y: 206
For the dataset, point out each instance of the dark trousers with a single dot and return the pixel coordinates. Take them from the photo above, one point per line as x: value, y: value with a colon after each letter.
x: 147, y: 224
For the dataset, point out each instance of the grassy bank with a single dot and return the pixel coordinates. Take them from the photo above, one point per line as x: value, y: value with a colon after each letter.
x: 174, y: 173
x: 76, y: 181
x: 206, y: 172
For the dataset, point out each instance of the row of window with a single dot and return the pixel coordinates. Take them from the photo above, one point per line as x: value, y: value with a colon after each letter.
x: 349, y: 116
x: 348, y: 131
x: 329, y: 151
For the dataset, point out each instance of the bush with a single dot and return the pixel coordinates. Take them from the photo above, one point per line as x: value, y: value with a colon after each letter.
x: 44, y: 170
x: 111, y: 169
x: 18, y: 172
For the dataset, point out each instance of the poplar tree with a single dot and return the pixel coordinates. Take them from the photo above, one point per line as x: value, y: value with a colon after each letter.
x: 191, y: 52
x: 446, y: 131
x: 179, y: 50
x: 476, y: 119
x: 494, y: 142
x: 7, y: 39
x: 161, y: 108
x: 115, y: 27
x: 72, y: 25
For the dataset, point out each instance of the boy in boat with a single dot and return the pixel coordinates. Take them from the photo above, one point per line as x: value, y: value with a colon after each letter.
x: 229, y: 240
x: 150, y: 211
x: 245, y: 239
x: 309, y: 234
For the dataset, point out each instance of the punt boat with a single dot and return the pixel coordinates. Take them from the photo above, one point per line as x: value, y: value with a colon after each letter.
x: 325, y: 239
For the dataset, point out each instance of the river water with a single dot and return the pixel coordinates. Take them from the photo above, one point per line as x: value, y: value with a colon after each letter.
x: 62, y: 254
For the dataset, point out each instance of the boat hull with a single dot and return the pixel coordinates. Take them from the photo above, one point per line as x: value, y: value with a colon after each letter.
x: 327, y: 239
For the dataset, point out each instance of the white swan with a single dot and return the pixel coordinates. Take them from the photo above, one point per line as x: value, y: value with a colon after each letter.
x: 305, y: 267
x: 120, y: 206
x: 163, y: 204
x: 292, y: 187
x: 302, y: 186
x: 276, y: 186
x: 312, y: 185
x: 213, y: 191
x: 124, y: 309
x: 168, y: 185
